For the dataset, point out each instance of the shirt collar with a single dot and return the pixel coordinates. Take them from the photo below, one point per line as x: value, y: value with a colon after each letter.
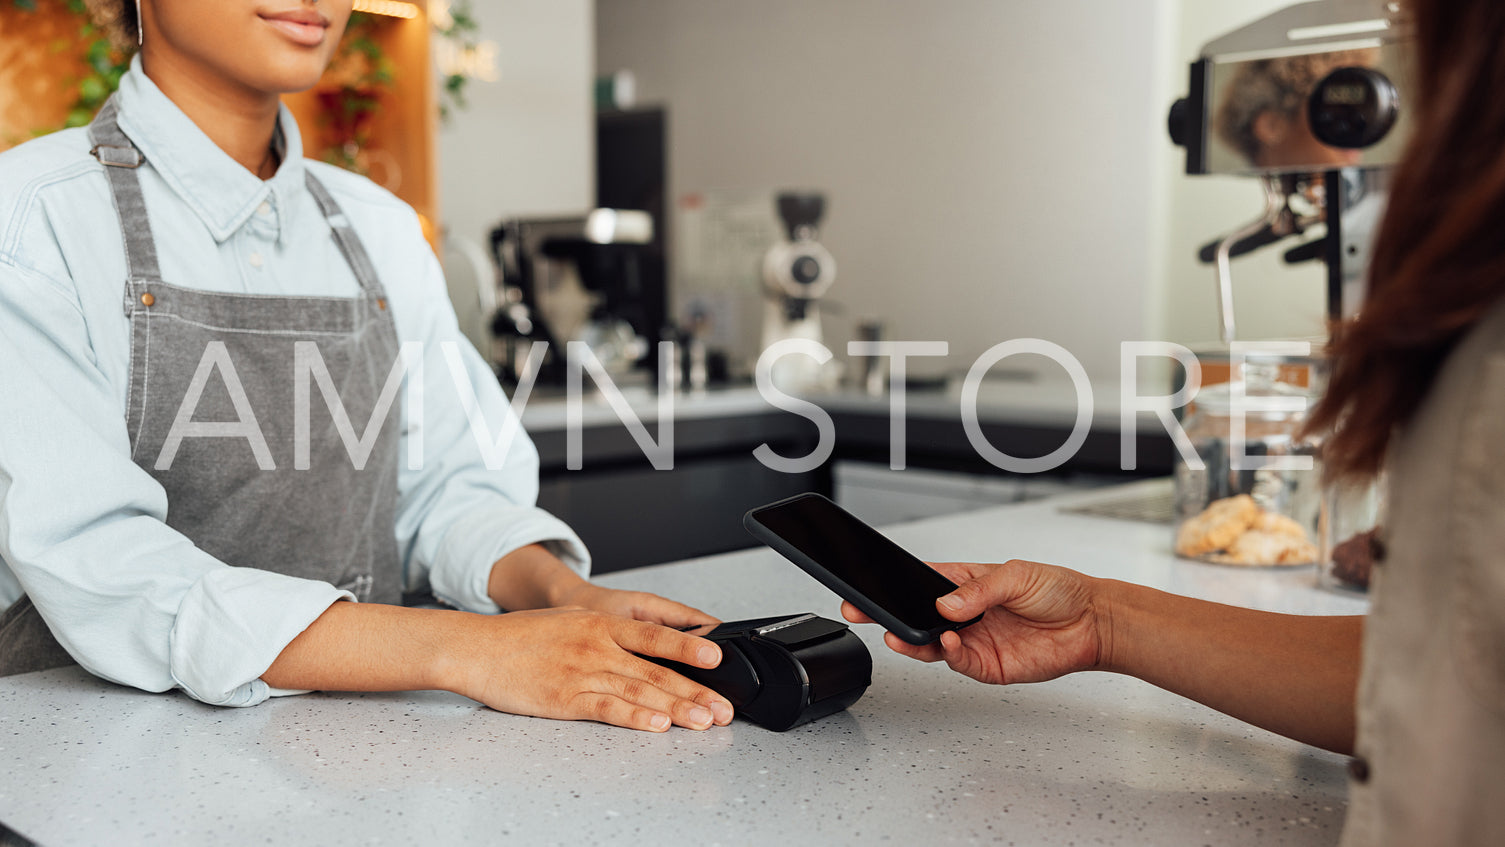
x: 217, y: 188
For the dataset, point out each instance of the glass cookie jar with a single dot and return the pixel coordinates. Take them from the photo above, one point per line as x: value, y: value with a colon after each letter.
x: 1352, y: 522
x: 1256, y: 497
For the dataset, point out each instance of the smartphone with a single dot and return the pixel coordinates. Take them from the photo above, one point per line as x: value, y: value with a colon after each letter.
x: 854, y: 560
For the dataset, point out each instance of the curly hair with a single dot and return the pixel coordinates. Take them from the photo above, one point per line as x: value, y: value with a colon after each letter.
x: 1275, y: 85
x: 117, y: 18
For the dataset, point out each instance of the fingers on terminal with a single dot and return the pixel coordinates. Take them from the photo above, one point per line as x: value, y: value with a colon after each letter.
x: 610, y: 709
x: 721, y: 708
x: 668, y: 694
x: 691, y: 693
x: 654, y: 640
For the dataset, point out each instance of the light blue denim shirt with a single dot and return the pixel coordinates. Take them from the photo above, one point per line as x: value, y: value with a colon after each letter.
x: 82, y: 527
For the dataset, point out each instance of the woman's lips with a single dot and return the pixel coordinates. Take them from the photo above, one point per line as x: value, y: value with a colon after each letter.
x: 306, y: 33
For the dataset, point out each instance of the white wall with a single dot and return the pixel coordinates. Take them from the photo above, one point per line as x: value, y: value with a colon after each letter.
x: 526, y: 144
x: 991, y: 165
x: 996, y: 168
x: 1273, y: 300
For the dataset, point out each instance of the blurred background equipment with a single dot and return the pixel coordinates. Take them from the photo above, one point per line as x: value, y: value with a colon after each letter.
x: 796, y: 275
x: 576, y: 278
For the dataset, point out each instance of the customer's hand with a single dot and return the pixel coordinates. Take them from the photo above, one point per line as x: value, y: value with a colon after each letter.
x: 576, y: 664
x: 638, y: 605
x: 1038, y: 622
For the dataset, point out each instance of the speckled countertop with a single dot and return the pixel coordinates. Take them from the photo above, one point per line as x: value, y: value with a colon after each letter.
x: 926, y: 757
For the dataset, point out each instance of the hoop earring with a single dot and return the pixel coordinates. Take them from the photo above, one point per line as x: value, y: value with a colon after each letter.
x: 140, y: 27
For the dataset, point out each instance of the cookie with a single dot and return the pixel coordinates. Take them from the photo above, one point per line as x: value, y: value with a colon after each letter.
x: 1261, y: 547
x: 1278, y: 524
x: 1218, y: 526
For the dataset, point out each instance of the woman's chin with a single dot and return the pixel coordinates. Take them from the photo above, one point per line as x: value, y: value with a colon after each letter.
x: 290, y: 77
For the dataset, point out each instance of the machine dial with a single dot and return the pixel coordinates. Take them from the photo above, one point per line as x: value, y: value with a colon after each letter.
x: 1177, y: 122
x: 806, y: 270
x: 801, y: 269
x: 1353, y: 108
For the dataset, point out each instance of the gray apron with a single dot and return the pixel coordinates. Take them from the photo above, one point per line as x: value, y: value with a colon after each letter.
x: 244, y: 504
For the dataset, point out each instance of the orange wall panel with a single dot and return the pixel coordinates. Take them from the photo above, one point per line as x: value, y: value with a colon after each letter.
x: 40, y: 63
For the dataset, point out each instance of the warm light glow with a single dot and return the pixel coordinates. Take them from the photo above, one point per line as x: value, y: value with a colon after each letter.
x: 478, y: 62
x: 390, y: 8
x: 439, y: 15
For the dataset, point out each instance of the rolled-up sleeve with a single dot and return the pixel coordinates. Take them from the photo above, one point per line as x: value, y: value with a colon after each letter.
x: 82, y: 527
x: 462, y: 508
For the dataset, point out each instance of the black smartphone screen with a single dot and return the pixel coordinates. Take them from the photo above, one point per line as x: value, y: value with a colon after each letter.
x: 862, y: 557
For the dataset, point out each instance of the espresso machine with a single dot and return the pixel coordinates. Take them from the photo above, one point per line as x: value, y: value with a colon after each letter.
x: 1309, y: 100
x: 576, y: 278
x: 797, y: 273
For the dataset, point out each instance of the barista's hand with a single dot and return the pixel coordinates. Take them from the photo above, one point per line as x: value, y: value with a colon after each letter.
x: 531, y: 577
x: 1039, y: 622
x: 638, y: 605
x: 576, y: 664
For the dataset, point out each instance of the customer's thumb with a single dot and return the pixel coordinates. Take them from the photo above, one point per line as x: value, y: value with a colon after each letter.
x: 965, y: 602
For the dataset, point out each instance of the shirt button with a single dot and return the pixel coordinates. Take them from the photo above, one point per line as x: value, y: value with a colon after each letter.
x: 264, y: 209
x: 255, y: 259
x: 1358, y: 769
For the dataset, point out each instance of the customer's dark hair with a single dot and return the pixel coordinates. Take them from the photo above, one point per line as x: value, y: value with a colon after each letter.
x: 118, y: 20
x: 1439, y: 259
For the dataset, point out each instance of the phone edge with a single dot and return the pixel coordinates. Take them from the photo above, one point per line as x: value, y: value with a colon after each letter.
x: 835, y: 584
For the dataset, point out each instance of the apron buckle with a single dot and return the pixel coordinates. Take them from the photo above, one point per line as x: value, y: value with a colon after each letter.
x: 117, y: 157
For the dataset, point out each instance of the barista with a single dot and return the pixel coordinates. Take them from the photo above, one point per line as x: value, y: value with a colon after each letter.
x: 1417, y: 691
x: 177, y: 264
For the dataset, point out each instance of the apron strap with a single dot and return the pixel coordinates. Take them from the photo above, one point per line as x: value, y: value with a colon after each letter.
x: 121, y: 159
x: 345, y: 236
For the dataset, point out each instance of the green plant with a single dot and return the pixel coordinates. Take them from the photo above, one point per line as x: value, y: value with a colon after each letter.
x: 463, y: 31
x: 351, y: 92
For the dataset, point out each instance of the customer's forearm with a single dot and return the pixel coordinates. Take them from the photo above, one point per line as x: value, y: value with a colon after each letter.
x: 1292, y: 674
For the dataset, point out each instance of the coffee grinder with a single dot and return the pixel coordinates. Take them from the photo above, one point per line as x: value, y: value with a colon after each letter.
x: 796, y: 275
